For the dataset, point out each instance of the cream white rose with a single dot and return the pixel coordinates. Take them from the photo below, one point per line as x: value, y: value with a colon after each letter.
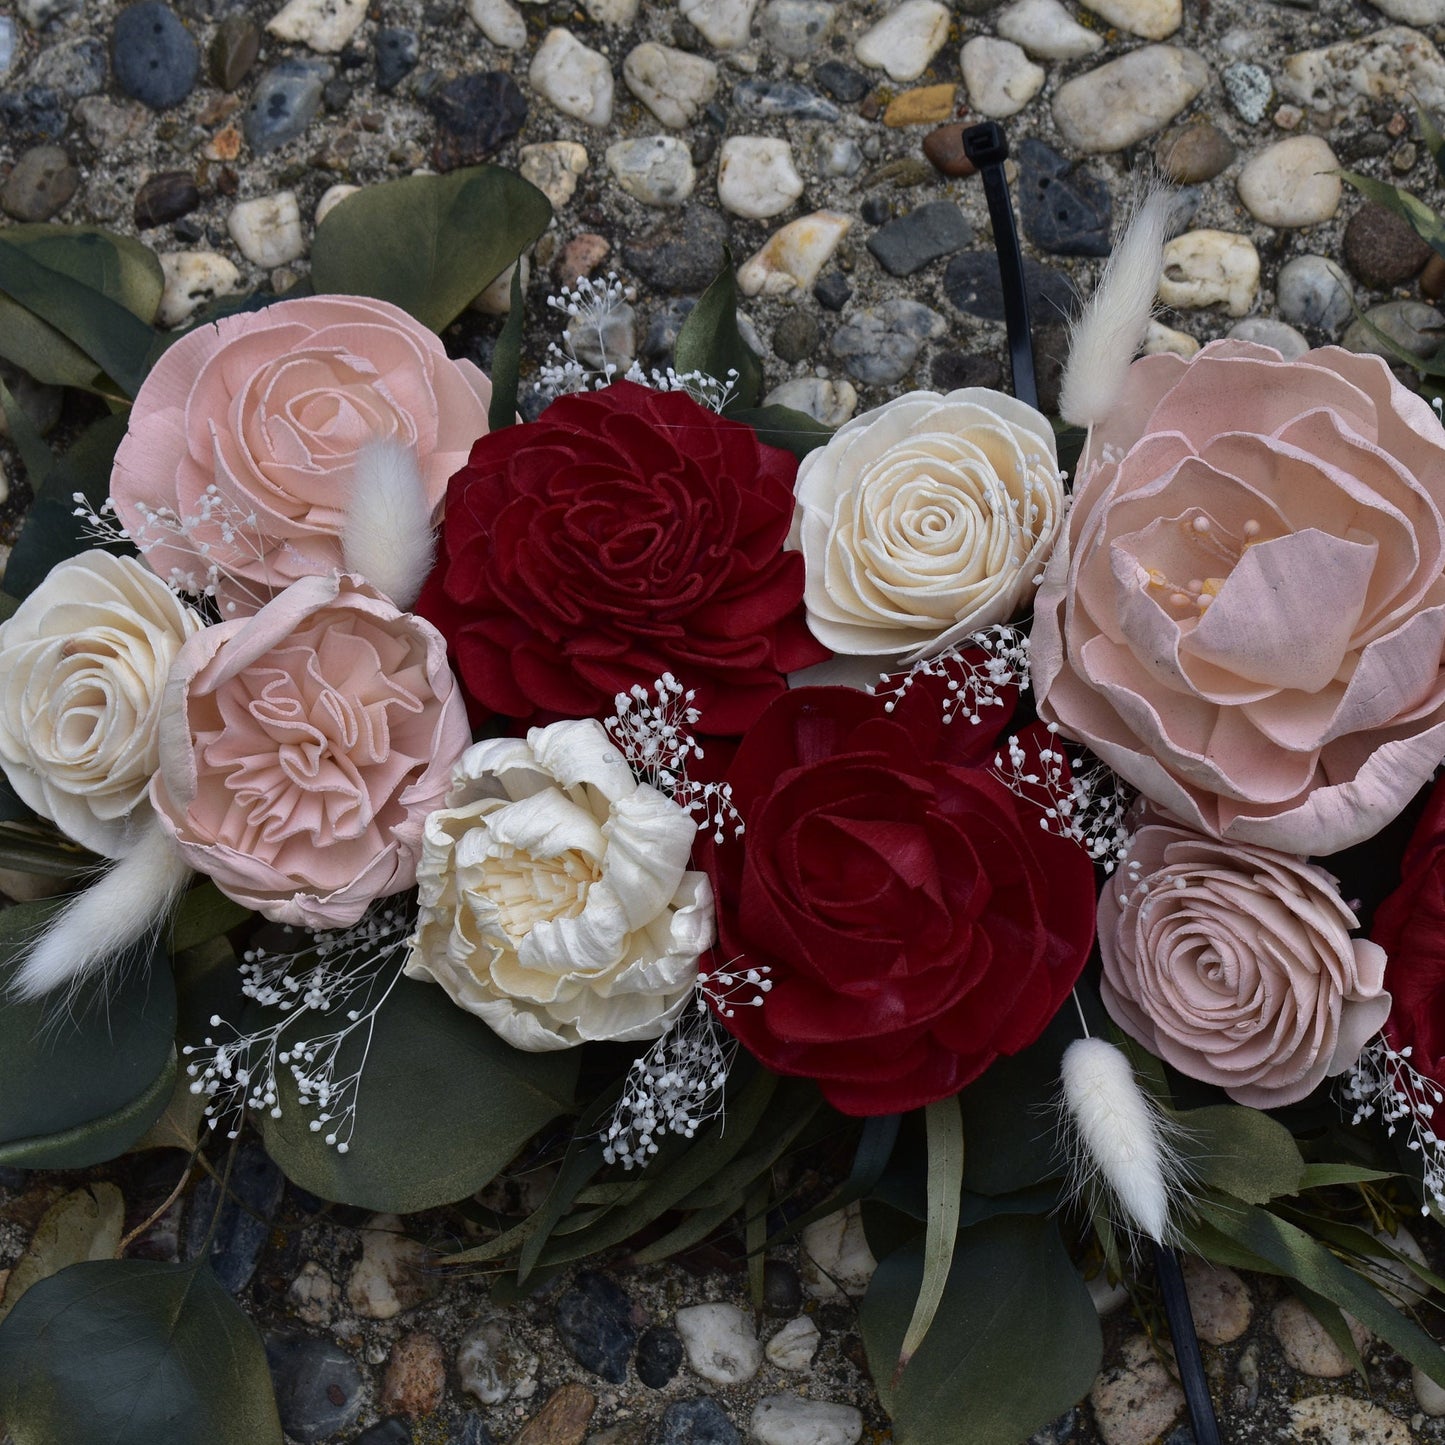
x: 556, y: 900
x: 926, y: 519
x: 84, y: 659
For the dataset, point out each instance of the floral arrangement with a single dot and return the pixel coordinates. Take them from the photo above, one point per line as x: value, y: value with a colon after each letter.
x: 424, y: 777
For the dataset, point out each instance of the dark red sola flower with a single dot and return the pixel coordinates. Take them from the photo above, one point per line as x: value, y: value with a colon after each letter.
x: 916, y: 919
x: 624, y: 534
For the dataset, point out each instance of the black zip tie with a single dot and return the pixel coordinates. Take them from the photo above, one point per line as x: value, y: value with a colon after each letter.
x: 987, y: 147
x: 1186, y: 1346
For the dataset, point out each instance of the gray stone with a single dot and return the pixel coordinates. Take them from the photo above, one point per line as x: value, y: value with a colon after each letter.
x: 73, y: 68
x: 782, y: 97
x: 233, y: 51
x: 284, y: 102
x: 1413, y: 326
x: 796, y: 28
x: 397, y: 50
x: 318, y: 1387
x: 34, y: 114
x: 1268, y: 332
x: 656, y: 170
x: 972, y: 282
x: 155, y: 58
x: 1065, y: 209
x: 1313, y: 291
x: 42, y: 182
x: 252, y: 1197
x: 878, y: 346
x: 1249, y: 89
x: 923, y: 235
x: 681, y: 257
x: 477, y: 113
x: 39, y: 13
x: 842, y: 82
x: 700, y: 1421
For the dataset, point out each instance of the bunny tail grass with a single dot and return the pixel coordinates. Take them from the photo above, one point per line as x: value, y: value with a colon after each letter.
x: 129, y: 900
x: 1116, y: 1134
x: 388, y: 536
x: 1111, y: 328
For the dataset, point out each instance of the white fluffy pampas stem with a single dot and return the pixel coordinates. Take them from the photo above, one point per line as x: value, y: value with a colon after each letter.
x: 388, y: 536
x: 1118, y: 1136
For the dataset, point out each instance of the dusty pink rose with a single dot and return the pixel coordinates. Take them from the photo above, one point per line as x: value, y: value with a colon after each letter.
x: 302, y: 748
x: 269, y: 408
x: 1248, y: 617
x: 1235, y: 964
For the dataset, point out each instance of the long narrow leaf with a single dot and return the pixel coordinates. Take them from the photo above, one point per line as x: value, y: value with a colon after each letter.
x: 507, y: 360
x: 36, y: 456
x: 693, y: 1230
x: 1333, y: 1323
x: 944, y: 1123
x: 1434, y: 138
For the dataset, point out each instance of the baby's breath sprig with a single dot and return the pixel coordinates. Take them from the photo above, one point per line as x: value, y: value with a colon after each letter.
x: 985, y: 670
x: 1385, y: 1082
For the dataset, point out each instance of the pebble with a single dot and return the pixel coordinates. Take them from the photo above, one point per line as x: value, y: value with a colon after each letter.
x: 1394, y: 62
x: 165, y: 197
x: 923, y: 235
x: 267, y: 230
x: 390, y: 1275
x: 331, y: 198
x: 324, y: 25
x: 192, y: 279
x: 878, y: 346
x: 1127, y: 99
x: 841, y: 81
x: 1413, y: 326
x: 794, y: 1346
x: 656, y: 170
x: 682, y: 257
x: 1135, y: 1400
x: 923, y: 105
x: 581, y: 256
x: 795, y: 337
x: 1342, y: 1421
x: 1292, y: 183
x: 252, y: 1198
x: 313, y: 1294
x: 1194, y: 153
x: 397, y: 51
x: 756, y: 177
x: 972, y: 282
x: 575, y: 79
x: 42, y: 182
x: 792, y: 257
x: 617, y: 13
x: 1105, y: 1294
x: 472, y: 1431
x: 34, y: 114
x: 720, y: 1341
x: 1268, y: 332
x: 1412, y: 12
x: 1313, y: 291
x: 1159, y: 338
x: 659, y: 1356
x: 1000, y: 77
x: 953, y: 370
x: 675, y: 86
x: 825, y: 400
x: 1428, y: 1395
x: 562, y: 1420
x: 1218, y: 1299
x: 783, y: 97
x: 1249, y: 90
x: 554, y: 167
x: 840, y: 156
x: 1432, y: 278
x: 835, y: 1249
x: 39, y: 13
x: 944, y: 149
x: 1153, y: 19
x: 233, y: 51
x: 153, y: 55
x: 833, y: 291
x: 284, y: 102
x: 792, y: 1420
x: 318, y: 1387
x: 1382, y: 249
x: 700, y: 1421
x: 724, y: 24
x: 1047, y: 31
x: 1306, y: 1346
x: 593, y: 1319
x: 73, y: 68
x: 478, y: 113
x: 416, y: 1376
x: 391, y: 1431
x: 500, y: 22
x: 1393, y: 1277
x: 904, y: 41
x: 1065, y: 210
x: 796, y: 28
x: 494, y: 1366
x: 7, y: 45
x: 108, y: 123
x: 1204, y: 268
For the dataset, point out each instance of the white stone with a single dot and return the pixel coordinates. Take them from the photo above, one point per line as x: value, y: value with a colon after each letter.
x: 825, y: 400
x: 1203, y: 268
x: 1127, y: 99
x: 1394, y: 1277
x: 192, y: 278
x: 791, y: 258
x: 267, y: 231
x: 616, y: 13
x: 1339, y: 1420
x: 1218, y: 1299
x: 905, y: 40
x: 1044, y: 28
x: 672, y: 84
x: 798, y: 27
x: 554, y: 167
x: 390, y: 1275
x: 1136, y: 1400
x: 496, y: 300
x: 500, y: 22
x: 1393, y: 64
x: 792, y: 1420
x: 494, y: 1366
x: 1294, y: 182
x: 794, y: 1346
x: 1266, y: 331
x: 724, y: 24
x: 314, y: 1295
x: 1159, y: 338
x: 331, y: 198
x: 578, y: 81
x: 756, y: 177
x: 1153, y: 19
x: 1106, y: 1295
x: 37, y: 13
x: 324, y: 25
x: 655, y: 169
x: 721, y: 1343
x: 1307, y: 1347
x: 605, y: 339
x: 1412, y: 12
x: 836, y: 1256
x: 1001, y: 79
x: 1428, y: 1395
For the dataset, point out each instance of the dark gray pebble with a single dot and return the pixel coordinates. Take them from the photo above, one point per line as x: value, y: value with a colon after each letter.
x: 877, y: 210
x: 336, y: 94
x: 477, y: 113
x: 166, y: 197
x: 841, y: 81
x: 252, y: 1198
x: 700, y: 1421
x: 471, y: 1430
x: 34, y: 114
x: 782, y: 1288
x: 392, y: 1431
x: 795, y: 336
x: 923, y: 235
x: 833, y: 290
x: 972, y: 282
x: 662, y: 330
x: 1065, y: 209
x: 284, y: 102
x: 593, y: 1321
x: 41, y: 183
x: 783, y: 97
x: 659, y: 1356
x: 233, y: 51
x: 397, y: 50
x: 681, y: 256
x: 155, y: 58
x: 318, y: 1387
x: 956, y: 369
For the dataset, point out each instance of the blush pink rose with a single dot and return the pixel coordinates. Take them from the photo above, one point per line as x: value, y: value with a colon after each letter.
x: 1247, y: 619
x: 247, y: 431
x: 1235, y: 964
x: 302, y: 748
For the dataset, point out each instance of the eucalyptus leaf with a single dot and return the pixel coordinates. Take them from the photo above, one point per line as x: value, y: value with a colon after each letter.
x: 134, y: 1352
x: 429, y: 244
x: 119, y: 267
x: 1241, y: 1152
x: 1320, y: 1176
x: 443, y: 1104
x: 785, y: 427
x: 38, y: 348
x: 203, y: 914
x: 709, y: 342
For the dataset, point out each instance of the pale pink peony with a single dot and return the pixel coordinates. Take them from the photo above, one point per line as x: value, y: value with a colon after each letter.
x: 1235, y: 964
x: 1247, y: 619
x: 302, y: 748
x: 269, y: 408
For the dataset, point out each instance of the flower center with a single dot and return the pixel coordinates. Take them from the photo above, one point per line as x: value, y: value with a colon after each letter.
x: 1213, y: 544
x: 526, y: 890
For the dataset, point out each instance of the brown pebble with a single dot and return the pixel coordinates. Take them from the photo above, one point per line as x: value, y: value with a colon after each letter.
x: 944, y: 150
x: 1397, y: 125
x: 923, y: 105
x: 416, y: 1376
x: 1381, y: 249
x: 562, y: 1420
x: 217, y: 109
x: 1194, y: 153
x: 581, y: 256
x: 41, y: 183
x: 871, y: 106
x: 1432, y: 278
x: 225, y: 145
x: 166, y: 197
x: 227, y: 181
x: 233, y: 52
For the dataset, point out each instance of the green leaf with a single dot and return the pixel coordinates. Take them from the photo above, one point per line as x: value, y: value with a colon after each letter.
x: 1434, y: 139
x: 1333, y: 1323
x: 84, y: 1224
x: 1414, y: 212
x: 507, y: 362
x: 1015, y: 1342
x: 1241, y: 1152
x: 35, y: 456
x: 875, y: 1147
x: 944, y: 1123
x: 429, y: 244
x: 709, y: 341
x: 1321, y: 1176
x: 785, y: 427
x: 81, y: 1081
x: 203, y: 914
x: 34, y: 846
x: 134, y: 1352
x: 442, y: 1106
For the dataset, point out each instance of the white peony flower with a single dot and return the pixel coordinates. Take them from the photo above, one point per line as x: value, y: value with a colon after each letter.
x: 556, y: 900
x: 926, y: 519
x: 85, y: 659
